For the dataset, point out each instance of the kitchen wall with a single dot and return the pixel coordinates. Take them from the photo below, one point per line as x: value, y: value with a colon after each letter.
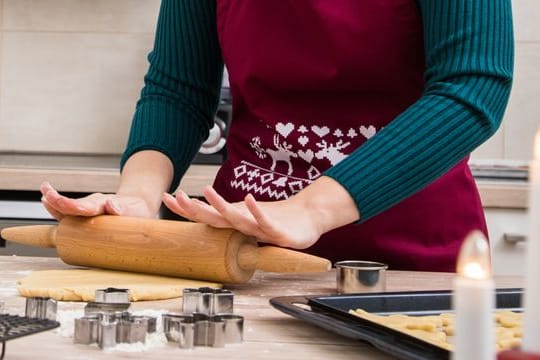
x: 71, y: 70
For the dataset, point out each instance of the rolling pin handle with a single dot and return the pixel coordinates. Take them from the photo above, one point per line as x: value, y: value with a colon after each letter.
x: 33, y: 235
x: 281, y: 260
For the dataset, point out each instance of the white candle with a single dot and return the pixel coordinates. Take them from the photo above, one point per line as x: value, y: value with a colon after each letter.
x: 531, y: 302
x: 474, y: 301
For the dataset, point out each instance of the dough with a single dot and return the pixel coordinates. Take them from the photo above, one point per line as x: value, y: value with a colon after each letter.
x: 81, y: 284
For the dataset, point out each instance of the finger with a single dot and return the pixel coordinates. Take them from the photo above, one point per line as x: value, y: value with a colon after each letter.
x: 260, y: 217
x: 211, y: 215
x: 216, y: 200
x: 194, y: 209
x: 113, y: 206
x: 45, y: 187
x: 55, y: 214
x: 174, y: 206
x: 238, y: 220
x: 71, y: 207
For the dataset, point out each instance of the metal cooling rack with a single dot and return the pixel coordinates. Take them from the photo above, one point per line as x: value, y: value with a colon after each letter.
x: 14, y: 326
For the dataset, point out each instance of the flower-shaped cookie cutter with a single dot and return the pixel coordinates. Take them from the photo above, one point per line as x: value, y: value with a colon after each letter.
x: 197, y: 329
x: 107, y: 321
x: 206, y: 300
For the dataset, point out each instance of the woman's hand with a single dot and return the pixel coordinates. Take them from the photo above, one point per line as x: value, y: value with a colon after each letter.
x: 297, y: 222
x: 95, y: 204
x: 273, y: 222
x: 146, y: 175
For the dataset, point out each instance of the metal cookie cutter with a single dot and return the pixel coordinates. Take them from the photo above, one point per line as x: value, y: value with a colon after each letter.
x: 131, y: 329
x: 179, y: 328
x: 109, y: 329
x: 108, y: 300
x: 41, y: 308
x: 198, y: 329
x: 97, y: 327
x: 86, y: 329
x: 107, y: 322
x: 233, y: 327
x: 354, y: 276
x: 206, y: 300
x: 209, y: 331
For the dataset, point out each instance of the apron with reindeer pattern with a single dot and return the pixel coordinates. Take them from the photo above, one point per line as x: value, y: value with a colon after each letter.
x: 311, y: 81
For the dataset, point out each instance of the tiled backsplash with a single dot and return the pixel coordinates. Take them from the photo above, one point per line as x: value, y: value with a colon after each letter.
x: 71, y: 72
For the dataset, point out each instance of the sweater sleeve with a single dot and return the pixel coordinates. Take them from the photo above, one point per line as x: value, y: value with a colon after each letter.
x: 181, y: 88
x: 469, y: 64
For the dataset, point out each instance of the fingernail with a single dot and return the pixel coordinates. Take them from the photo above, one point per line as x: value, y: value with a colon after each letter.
x: 182, y: 194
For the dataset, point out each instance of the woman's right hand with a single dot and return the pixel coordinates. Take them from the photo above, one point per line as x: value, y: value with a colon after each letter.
x: 94, y: 204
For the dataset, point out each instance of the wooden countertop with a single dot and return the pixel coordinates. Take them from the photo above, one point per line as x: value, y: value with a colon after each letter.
x: 99, y: 173
x: 268, y: 333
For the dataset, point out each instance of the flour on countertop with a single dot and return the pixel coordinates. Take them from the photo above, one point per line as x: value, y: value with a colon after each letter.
x: 67, y: 322
x: 155, y: 340
x: 67, y: 318
x: 7, y: 291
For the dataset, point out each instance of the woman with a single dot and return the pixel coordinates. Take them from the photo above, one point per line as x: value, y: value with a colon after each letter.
x: 352, y: 123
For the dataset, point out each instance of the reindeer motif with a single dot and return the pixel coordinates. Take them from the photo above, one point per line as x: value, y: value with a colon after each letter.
x: 281, y: 153
x: 332, y: 152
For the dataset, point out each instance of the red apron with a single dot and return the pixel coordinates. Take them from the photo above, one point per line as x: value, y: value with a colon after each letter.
x: 312, y: 80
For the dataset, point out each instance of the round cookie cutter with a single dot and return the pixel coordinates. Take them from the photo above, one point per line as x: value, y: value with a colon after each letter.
x: 356, y: 276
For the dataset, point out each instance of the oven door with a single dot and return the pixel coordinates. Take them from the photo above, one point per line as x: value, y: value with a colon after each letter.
x: 20, y: 208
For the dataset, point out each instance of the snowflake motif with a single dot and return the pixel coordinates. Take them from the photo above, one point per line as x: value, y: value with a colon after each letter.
x: 253, y: 174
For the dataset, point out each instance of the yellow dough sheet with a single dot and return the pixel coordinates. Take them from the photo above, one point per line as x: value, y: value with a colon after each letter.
x: 81, y: 284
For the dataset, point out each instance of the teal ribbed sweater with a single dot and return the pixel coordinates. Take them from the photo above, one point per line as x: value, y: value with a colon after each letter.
x: 469, y: 64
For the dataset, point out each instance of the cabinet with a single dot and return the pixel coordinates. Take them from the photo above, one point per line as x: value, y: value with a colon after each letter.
x: 507, y: 232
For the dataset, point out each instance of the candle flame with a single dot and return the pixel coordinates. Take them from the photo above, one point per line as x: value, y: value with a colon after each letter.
x: 474, y: 260
x: 474, y: 270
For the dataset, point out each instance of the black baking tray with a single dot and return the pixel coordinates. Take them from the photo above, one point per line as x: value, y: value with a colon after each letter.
x: 331, y: 312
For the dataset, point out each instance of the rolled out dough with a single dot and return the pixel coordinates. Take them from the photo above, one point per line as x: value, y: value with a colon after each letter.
x: 81, y: 284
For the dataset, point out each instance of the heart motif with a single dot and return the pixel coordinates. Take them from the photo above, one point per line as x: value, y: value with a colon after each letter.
x: 306, y: 155
x: 320, y: 131
x: 284, y: 129
x: 303, y: 140
x: 368, y: 132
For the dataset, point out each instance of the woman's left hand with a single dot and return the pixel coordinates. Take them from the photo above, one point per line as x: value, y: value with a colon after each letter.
x: 297, y: 222
x: 275, y: 222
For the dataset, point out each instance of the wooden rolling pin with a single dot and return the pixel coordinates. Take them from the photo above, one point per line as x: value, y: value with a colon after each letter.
x: 164, y: 247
